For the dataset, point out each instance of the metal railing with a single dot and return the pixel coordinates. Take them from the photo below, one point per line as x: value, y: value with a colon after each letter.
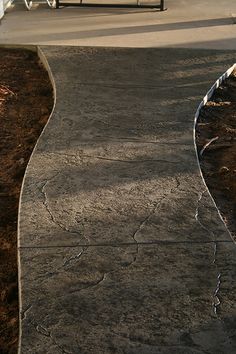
x: 57, y: 3
x: 29, y: 3
x: 160, y: 5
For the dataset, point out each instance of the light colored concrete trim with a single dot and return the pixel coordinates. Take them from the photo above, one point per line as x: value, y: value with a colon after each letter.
x: 46, y: 66
x: 204, y: 101
x: 7, y: 3
x: 31, y: 47
x: 4, y: 4
x: 1, y: 9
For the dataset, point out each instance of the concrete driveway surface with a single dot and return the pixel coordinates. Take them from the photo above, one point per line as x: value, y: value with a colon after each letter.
x: 121, y: 247
x: 186, y: 23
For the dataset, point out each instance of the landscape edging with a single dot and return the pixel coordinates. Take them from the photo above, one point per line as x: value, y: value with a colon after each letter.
x: 204, y: 101
x: 44, y: 62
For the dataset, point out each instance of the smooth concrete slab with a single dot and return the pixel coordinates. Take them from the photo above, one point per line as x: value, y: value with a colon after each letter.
x: 192, y: 23
x: 122, y: 249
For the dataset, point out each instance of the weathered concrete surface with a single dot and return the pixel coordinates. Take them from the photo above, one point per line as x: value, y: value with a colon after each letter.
x: 121, y: 247
x: 186, y: 23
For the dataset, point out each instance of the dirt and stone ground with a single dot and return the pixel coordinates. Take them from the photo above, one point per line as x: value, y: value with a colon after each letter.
x: 25, y: 104
x: 216, y: 140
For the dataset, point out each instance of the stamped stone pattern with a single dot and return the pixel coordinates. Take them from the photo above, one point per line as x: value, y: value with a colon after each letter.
x: 121, y: 247
x: 122, y: 299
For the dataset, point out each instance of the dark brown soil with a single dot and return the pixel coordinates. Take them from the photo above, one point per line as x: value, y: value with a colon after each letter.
x: 216, y: 142
x: 26, y: 101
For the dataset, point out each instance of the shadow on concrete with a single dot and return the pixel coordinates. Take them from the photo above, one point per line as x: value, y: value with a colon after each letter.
x: 117, y: 31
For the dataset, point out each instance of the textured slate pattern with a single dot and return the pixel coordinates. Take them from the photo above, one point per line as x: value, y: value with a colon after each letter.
x: 121, y: 247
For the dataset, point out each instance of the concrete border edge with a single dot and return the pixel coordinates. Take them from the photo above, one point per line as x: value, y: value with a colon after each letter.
x: 45, y: 63
x: 205, y: 99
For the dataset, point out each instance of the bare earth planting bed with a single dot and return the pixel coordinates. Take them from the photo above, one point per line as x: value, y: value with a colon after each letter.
x: 26, y: 101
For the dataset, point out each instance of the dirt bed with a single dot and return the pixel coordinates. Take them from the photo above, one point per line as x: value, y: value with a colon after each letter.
x: 26, y: 101
x: 216, y: 142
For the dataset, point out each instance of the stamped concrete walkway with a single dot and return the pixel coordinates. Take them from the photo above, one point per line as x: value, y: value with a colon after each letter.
x: 121, y: 247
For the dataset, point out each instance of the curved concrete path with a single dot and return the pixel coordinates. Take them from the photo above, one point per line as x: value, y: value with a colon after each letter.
x: 121, y: 247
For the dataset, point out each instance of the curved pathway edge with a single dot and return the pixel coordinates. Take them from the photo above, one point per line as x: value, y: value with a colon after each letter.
x: 205, y: 99
x: 121, y: 246
x: 44, y: 62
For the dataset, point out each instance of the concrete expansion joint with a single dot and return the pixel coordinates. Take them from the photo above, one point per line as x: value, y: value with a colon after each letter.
x: 126, y: 86
x: 131, y: 161
x: 81, y: 156
x: 141, y: 243
x: 140, y: 141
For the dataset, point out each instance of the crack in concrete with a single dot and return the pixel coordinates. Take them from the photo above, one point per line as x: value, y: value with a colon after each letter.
x: 144, y: 222
x: 200, y: 196
x: 214, y: 253
x: 42, y: 330
x: 216, y: 301
x: 104, y: 276
x: 177, y: 185
x: 72, y: 259
x: 140, y: 227
x: 91, y: 285
x: 24, y: 313
x: 46, y: 204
